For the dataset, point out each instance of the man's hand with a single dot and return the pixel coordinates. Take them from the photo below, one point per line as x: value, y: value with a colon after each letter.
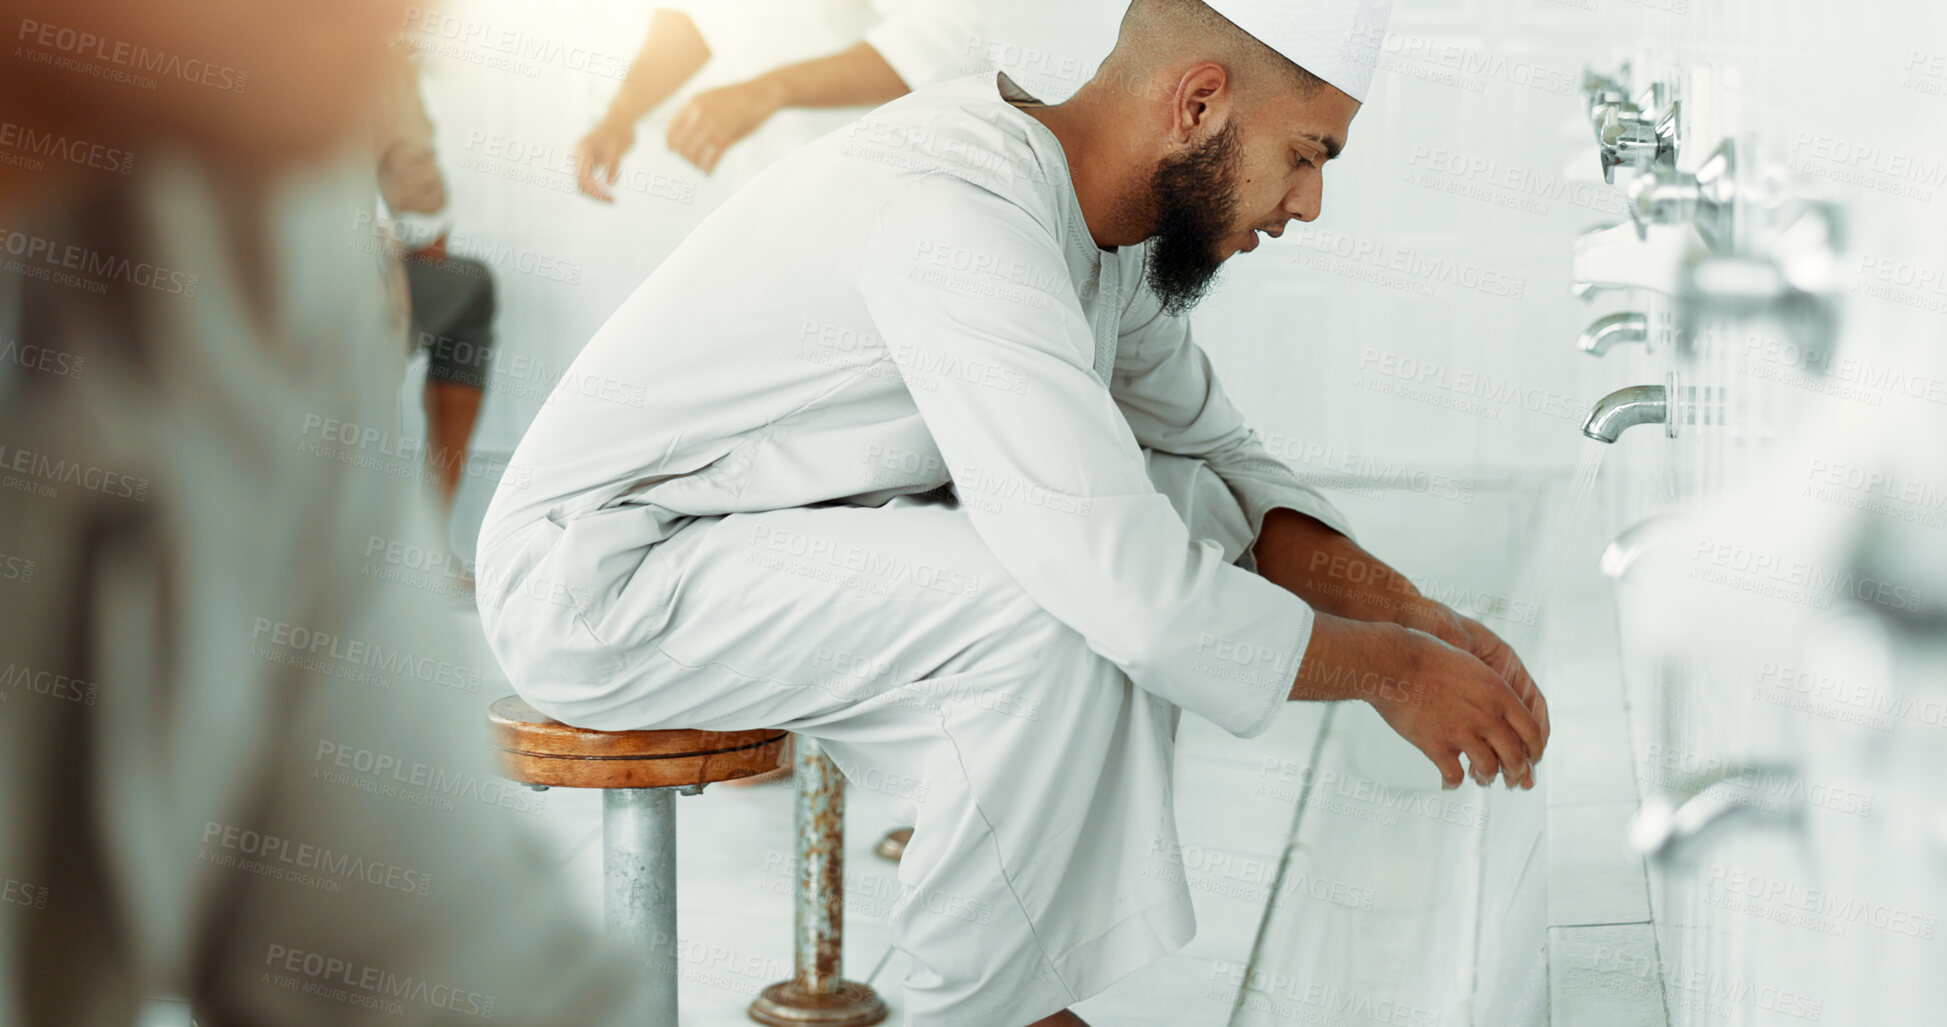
x: 1442, y: 700
x: 600, y: 151
x: 715, y: 119
x: 1455, y: 703
x: 1342, y: 581
x: 1471, y: 636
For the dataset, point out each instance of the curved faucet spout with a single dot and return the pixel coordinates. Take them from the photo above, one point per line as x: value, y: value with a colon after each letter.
x: 1604, y: 332
x: 1624, y: 409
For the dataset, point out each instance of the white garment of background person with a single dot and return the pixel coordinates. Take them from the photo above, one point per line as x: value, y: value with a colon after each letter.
x: 242, y: 737
x: 924, y: 42
x: 736, y: 515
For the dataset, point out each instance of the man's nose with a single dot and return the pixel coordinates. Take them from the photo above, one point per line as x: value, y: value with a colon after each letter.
x: 1305, y: 201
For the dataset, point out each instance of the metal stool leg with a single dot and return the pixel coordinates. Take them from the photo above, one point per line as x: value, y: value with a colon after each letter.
x: 639, y: 888
x: 817, y: 994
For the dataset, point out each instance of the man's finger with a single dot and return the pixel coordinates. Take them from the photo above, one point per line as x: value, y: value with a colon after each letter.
x: 1508, y: 665
x: 594, y: 184
x: 1529, y: 693
x: 1539, y: 708
x: 1482, y: 763
x: 1448, y: 763
x: 1525, y: 725
x: 614, y: 169
x: 585, y: 173
x: 684, y: 134
x: 1507, y: 747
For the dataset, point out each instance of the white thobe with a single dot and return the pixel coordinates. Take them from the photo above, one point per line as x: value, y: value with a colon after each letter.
x: 891, y: 453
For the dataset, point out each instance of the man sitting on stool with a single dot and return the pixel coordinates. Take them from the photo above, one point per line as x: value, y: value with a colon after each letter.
x: 931, y: 471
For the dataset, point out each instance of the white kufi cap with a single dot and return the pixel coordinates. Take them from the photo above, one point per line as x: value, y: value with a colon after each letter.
x: 1336, y: 40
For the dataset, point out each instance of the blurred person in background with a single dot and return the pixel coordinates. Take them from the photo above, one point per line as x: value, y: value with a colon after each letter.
x: 448, y: 301
x: 205, y: 668
x: 788, y: 54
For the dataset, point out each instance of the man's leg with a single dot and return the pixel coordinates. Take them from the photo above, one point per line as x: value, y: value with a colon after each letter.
x: 1204, y: 502
x: 1044, y: 863
x: 452, y: 315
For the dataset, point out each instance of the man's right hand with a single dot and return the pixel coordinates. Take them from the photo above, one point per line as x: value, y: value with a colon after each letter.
x: 600, y: 151
x: 1441, y: 699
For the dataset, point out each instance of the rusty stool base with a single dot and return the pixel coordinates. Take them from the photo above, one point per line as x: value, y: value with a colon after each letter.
x: 786, y: 1004
x: 639, y: 773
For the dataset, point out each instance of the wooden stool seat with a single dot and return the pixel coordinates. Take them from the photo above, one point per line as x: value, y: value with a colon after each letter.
x: 641, y: 772
x: 538, y: 750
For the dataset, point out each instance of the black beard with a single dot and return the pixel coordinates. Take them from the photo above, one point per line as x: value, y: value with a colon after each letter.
x: 1194, y: 197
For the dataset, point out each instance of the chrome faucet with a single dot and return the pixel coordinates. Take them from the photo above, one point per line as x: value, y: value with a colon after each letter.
x: 1604, y: 332
x: 1620, y: 256
x: 1626, y: 408
x: 1663, y: 826
x: 1666, y: 196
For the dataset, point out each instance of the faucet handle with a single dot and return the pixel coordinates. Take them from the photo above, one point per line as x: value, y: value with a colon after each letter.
x: 1665, y: 196
x: 1626, y: 134
x: 1599, y: 90
x: 1661, y: 197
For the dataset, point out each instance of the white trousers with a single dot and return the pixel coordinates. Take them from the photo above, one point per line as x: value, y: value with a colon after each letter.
x: 1035, y: 775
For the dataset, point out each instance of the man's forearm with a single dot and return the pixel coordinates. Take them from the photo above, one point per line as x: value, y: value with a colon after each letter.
x: 1330, y: 571
x: 1337, y: 577
x: 672, y: 52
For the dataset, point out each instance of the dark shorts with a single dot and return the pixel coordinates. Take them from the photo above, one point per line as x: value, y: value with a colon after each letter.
x: 453, y: 317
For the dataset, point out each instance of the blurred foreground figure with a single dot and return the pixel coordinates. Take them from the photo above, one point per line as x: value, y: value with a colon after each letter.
x: 795, y: 54
x: 241, y: 754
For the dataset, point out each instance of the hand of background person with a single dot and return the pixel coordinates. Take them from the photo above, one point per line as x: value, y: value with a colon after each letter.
x: 600, y: 152
x: 715, y: 119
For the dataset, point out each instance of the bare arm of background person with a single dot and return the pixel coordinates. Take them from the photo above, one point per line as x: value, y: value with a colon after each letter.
x: 714, y: 120
x: 672, y: 52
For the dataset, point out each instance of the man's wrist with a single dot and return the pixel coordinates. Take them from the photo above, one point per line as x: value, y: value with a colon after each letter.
x: 619, y: 116
x: 1355, y: 659
x: 773, y: 89
x: 1328, y: 570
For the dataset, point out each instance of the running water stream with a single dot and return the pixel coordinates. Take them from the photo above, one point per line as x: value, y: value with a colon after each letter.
x: 1552, y: 560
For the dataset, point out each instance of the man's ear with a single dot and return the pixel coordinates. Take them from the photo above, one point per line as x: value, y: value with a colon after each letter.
x: 1204, y: 96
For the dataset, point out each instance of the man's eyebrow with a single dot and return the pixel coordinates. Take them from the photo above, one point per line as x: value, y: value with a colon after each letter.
x: 1331, y: 144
